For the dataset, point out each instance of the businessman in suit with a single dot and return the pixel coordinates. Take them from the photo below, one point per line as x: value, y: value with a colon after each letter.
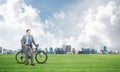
x: 27, y: 41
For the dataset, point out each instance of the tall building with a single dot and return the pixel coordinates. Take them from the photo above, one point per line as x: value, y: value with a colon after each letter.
x: 51, y: 50
x: 66, y: 48
x: 104, y: 49
x: 59, y: 51
x: 73, y: 51
x: 88, y: 51
x: 0, y: 50
x: 46, y: 51
x: 5, y: 51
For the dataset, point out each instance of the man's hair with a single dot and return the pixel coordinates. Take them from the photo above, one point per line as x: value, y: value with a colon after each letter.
x: 27, y: 30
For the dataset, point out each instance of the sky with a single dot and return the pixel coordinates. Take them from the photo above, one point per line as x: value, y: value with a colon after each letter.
x: 79, y: 23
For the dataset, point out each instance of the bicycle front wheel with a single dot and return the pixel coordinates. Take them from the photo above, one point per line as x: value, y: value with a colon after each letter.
x: 41, y: 57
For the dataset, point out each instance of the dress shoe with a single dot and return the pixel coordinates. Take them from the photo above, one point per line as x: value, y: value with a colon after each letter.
x: 27, y: 63
x: 33, y: 64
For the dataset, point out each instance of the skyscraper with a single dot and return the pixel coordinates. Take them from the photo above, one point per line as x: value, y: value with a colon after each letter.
x: 51, y: 50
x: 66, y: 48
x: 0, y: 50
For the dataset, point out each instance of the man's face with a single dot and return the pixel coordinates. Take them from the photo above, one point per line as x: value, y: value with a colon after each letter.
x: 29, y: 32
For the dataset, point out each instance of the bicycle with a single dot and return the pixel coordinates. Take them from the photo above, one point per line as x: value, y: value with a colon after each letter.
x: 40, y: 56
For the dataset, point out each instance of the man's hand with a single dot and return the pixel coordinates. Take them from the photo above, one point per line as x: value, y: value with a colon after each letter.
x: 24, y: 44
x: 37, y: 45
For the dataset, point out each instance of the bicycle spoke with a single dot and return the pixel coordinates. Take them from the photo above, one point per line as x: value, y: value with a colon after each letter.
x: 41, y: 57
x: 20, y: 57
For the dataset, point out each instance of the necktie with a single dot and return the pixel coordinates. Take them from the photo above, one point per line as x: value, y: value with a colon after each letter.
x: 28, y: 39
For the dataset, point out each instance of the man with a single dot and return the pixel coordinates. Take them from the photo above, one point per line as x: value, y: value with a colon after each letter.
x: 27, y: 41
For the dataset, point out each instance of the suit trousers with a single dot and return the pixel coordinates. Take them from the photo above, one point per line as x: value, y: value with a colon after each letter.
x: 29, y: 52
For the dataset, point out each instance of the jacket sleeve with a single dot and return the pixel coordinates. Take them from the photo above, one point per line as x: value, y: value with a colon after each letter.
x: 22, y: 40
x: 33, y: 40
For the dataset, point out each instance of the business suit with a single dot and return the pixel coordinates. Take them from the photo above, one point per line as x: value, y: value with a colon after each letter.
x: 28, y: 48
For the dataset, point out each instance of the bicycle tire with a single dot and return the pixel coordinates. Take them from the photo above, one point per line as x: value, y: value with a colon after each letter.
x: 19, y: 59
x: 41, y: 53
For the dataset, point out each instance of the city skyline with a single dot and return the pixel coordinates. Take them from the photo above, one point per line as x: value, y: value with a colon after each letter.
x: 67, y: 49
x: 79, y: 23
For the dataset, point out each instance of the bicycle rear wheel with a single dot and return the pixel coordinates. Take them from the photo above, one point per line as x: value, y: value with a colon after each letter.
x: 41, y: 57
x: 20, y: 57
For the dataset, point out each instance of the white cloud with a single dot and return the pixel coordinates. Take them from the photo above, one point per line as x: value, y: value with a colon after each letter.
x: 97, y: 26
x: 74, y: 26
x: 60, y: 15
x: 17, y: 18
x: 101, y: 27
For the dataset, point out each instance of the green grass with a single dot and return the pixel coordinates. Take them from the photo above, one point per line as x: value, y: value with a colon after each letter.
x: 65, y: 63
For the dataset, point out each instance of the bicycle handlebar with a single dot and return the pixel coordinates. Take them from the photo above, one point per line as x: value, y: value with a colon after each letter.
x: 37, y: 45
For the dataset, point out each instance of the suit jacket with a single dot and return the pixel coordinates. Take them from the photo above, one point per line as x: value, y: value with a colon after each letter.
x: 24, y: 40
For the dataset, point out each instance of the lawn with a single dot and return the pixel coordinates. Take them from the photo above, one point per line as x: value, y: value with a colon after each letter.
x: 65, y: 63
